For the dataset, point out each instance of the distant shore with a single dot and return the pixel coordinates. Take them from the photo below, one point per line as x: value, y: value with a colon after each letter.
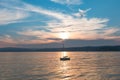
x: 88, y: 48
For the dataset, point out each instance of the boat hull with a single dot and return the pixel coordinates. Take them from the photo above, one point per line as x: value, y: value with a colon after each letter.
x: 64, y: 59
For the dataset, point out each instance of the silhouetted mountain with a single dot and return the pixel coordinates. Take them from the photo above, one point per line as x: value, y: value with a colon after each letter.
x: 89, y: 48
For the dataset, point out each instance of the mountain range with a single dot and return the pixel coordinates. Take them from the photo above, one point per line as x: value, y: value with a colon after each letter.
x: 87, y: 48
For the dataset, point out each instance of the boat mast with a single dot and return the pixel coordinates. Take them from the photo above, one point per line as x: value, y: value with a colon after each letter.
x: 63, y: 46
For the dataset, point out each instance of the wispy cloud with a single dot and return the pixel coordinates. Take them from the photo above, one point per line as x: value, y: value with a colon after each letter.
x: 77, y: 27
x: 7, y: 39
x: 76, y: 24
x: 22, y: 9
x: 40, y: 36
x: 81, y: 13
x: 9, y: 14
x: 68, y: 2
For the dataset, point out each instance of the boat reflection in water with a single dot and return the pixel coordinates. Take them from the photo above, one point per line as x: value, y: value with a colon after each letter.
x: 65, y: 57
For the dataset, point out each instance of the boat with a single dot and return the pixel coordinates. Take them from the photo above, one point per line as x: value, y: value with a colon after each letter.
x: 64, y: 58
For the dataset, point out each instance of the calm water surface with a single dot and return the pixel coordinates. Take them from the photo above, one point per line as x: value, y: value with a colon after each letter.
x: 47, y: 66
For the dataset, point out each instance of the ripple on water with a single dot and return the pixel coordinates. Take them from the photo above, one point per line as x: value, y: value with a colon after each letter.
x: 47, y: 66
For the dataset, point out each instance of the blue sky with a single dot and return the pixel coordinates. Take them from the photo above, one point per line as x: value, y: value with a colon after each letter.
x: 44, y: 23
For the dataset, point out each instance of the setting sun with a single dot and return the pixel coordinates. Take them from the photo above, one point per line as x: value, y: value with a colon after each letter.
x: 64, y: 35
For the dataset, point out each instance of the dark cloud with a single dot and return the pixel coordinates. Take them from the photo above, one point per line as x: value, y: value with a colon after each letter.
x: 73, y: 43
x: 6, y: 44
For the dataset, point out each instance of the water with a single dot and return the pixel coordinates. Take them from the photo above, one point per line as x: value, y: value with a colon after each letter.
x: 47, y: 66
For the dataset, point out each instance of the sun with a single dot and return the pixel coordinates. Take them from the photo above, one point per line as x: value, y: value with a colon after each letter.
x: 64, y: 35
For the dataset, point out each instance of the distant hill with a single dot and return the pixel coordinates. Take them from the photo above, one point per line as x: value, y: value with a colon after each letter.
x: 88, y: 48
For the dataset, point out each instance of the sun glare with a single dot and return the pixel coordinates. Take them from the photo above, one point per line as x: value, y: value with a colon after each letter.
x: 64, y: 53
x: 64, y: 35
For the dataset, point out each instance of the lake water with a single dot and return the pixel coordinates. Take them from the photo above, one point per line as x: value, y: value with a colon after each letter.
x: 47, y: 66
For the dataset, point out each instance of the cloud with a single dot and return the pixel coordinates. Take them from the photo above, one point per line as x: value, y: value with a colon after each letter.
x: 76, y: 24
x: 72, y: 43
x: 39, y: 36
x: 81, y: 13
x: 77, y: 27
x: 39, y: 10
x: 9, y: 13
x: 25, y: 8
x: 5, y: 44
x: 7, y: 41
x: 68, y: 2
x: 11, y: 16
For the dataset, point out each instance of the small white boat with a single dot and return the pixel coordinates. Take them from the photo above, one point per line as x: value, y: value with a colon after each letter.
x: 64, y: 58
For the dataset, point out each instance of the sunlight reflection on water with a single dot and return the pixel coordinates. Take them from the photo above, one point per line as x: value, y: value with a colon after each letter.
x: 64, y: 53
x: 47, y: 66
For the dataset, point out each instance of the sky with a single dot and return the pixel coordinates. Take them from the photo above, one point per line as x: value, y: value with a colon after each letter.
x: 47, y: 23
